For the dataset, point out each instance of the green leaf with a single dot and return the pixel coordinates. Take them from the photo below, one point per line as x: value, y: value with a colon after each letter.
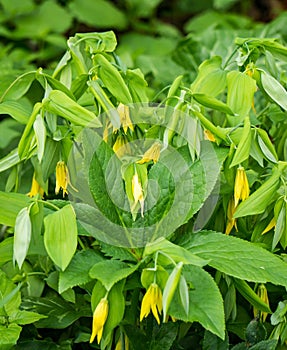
x: 205, y: 300
x: 248, y: 293
x: 112, y: 79
x: 59, y: 103
x: 241, y: 89
x: 266, y: 145
x: 170, y: 288
x: 270, y: 344
x: 77, y: 272
x: 60, y: 313
x: 163, y: 336
x: 274, y: 89
x: 249, y: 261
x: 212, y: 342
x: 60, y: 236
x: 9, y: 335
x: 10, y: 297
x: 261, y: 198
x: 102, y: 14
x: 212, y: 102
x: 243, y: 149
x: 6, y: 250
x: 10, y: 205
x: 25, y: 317
x: 211, y: 79
x: 110, y: 272
x: 174, y: 251
x: 19, y: 87
x: 9, y: 160
x: 22, y: 235
x: 16, y: 110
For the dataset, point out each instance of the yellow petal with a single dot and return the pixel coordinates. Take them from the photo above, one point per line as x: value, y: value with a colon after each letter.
x: 125, y: 119
x: 152, y: 154
x: 35, y: 188
x: 271, y: 224
x: 99, y: 318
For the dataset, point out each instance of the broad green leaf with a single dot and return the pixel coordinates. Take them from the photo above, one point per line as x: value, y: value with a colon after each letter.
x: 77, y: 272
x: 211, y: 79
x: 60, y: 313
x: 205, y: 300
x: 249, y: 261
x: 274, y: 89
x: 110, y: 272
x: 60, y: 236
x: 241, y: 89
x: 6, y: 250
x: 261, y: 198
x: 22, y: 235
x: 137, y: 85
x: 212, y: 102
x: 96, y: 42
x: 9, y: 335
x: 270, y: 344
x: 10, y: 206
x: 102, y: 14
x: 50, y: 158
x: 16, y: 110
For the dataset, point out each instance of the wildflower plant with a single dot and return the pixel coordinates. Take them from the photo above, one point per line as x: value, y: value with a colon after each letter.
x: 131, y: 249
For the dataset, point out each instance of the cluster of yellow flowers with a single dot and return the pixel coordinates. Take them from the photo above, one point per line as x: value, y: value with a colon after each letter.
x: 241, y: 192
x: 152, y: 302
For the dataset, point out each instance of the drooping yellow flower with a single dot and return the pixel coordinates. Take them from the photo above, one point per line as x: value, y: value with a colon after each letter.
x: 62, y: 178
x: 121, y: 147
x: 35, y: 188
x: 152, y: 153
x: 262, y: 293
x: 99, y: 318
x: 241, y: 186
x: 137, y: 191
x: 271, y: 224
x: 124, y: 113
x: 230, y: 220
x: 152, y: 301
x: 208, y: 135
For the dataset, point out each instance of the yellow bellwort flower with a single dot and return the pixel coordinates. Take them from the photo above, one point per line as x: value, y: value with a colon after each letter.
x: 241, y: 186
x: 99, y: 318
x: 35, y: 188
x: 124, y: 113
x: 152, y: 153
x: 137, y: 191
x: 152, y: 301
x: 262, y: 293
x: 62, y: 177
x: 121, y: 147
x: 208, y: 135
x: 230, y: 220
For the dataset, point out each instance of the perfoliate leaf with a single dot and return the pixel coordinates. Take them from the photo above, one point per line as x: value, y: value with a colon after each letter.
x: 60, y: 236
